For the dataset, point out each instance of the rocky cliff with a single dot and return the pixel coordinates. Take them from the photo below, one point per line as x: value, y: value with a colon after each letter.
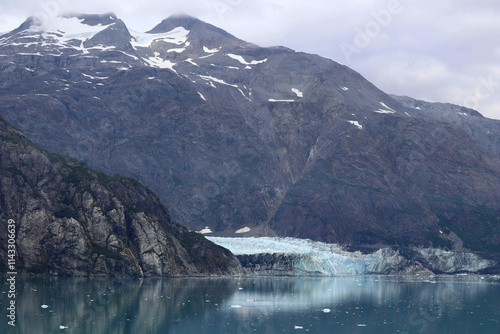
x: 233, y: 135
x: 71, y: 220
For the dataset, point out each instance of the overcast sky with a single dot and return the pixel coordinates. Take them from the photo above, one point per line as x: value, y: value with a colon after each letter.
x: 442, y: 51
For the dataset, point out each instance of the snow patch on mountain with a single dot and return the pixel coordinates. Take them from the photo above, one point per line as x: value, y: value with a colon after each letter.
x: 297, y: 92
x: 59, y: 32
x: 275, y: 100
x: 189, y: 60
x: 206, y: 230
x: 387, y: 109
x: 207, y: 50
x: 94, y: 77
x: 176, y: 36
x: 243, y: 61
x: 65, y: 29
x: 356, y: 123
x: 243, y: 230
x: 220, y: 81
x: 160, y: 63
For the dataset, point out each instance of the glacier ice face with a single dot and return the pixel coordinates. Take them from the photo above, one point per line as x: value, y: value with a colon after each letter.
x: 322, y: 259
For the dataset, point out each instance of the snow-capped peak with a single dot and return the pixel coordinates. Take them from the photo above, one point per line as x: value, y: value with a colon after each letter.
x: 68, y: 28
x: 176, y: 36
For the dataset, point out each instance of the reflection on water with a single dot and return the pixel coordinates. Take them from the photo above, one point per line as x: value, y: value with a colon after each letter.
x: 371, y: 304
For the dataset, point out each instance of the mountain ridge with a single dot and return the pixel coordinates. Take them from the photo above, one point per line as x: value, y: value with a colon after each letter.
x: 233, y: 135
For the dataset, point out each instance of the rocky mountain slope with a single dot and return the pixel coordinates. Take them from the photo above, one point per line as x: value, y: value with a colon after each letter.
x: 483, y: 130
x: 233, y: 135
x: 71, y: 220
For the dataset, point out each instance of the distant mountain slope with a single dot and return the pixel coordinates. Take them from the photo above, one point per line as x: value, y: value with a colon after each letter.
x: 71, y: 220
x: 483, y: 130
x: 232, y: 135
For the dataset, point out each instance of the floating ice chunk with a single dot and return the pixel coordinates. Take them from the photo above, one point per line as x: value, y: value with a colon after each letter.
x: 244, y: 62
x: 243, y: 230
x: 361, y: 325
x: 298, y: 327
x: 345, y: 89
x: 326, y: 310
x: 63, y: 327
x: 236, y: 306
x: 356, y: 123
x: 298, y: 92
x: 44, y: 306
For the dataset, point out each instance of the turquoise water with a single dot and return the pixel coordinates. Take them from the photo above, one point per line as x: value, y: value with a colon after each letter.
x: 370, y: 304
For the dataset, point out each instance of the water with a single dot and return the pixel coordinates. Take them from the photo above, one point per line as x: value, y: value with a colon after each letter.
x: 370, y: 304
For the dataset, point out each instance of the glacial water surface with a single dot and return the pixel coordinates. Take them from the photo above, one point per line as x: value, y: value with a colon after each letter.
x: 356, y: 304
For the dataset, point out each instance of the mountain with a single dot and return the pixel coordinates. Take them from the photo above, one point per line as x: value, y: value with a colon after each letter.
x: 482, y: 130
x: 71, y: 220
x: 267, y: 141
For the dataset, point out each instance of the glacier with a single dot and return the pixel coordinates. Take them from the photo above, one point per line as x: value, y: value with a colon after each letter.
x: 303, y: 257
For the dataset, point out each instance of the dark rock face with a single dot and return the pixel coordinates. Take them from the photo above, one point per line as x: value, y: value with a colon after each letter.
x: 71, y: 220
x: 271, y: 265
x: 483, y: 130
x: 230, y: 134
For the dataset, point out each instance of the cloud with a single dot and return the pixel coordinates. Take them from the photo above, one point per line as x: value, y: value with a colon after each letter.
x: 432, y: 50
